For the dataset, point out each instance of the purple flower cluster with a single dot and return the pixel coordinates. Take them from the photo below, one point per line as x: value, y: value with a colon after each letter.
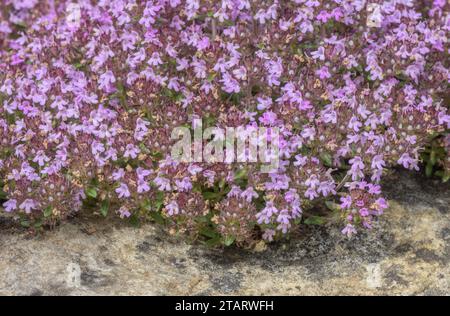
x: 361, y: 205
x: 90, y: 91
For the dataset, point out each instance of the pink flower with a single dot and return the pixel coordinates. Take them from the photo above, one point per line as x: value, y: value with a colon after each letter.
x: 319, y: 54
x: 131, y: 151
x: 10, y: 205
x: 106, y: 80
x: 143, y: 186
x: 249, y: 194
x: 28, y: 205
x: 323, y: 16
x: 268, y: 234
x: 230, y: 85
x: 323, y: 73
x: 356, y: 170
x: 346, y: 202
x: 172, y: 208
x: 264, y: 103
x: 407, y: 162
x: 122, y: 191
x: 349, y: 230
x: 162, y: 183
x: 268, y: 118
x: 124, y: 212
x: 266, y: 214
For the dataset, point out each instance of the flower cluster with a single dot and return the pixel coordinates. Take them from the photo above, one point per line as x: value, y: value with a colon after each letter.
x: 90, y: 91
x: 361, y: 205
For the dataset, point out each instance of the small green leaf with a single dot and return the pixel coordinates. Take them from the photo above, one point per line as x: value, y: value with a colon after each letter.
x: 429, y: 169
x: 157, y: 217
x: 104, y: 208
x: 213, y: 242
x: 48, y: 211
x: 143, y: 148
x: 209, y: 121
x: 38, y: 224
x: 211, y: 77
x: 159, y: 200
x: 326, y: 159
x: 146, y: 205
x: 157, y: 155
x: 315, y: 220
x: 91, y: 192
x: 210, y: 195
x: 208, y: 232
x: 134, y: 220
x: 2, y: 195
x: 433, y: 157
x: 332, y: 206
x: 242, y: 173
x: 78, y: 65
x: 204, y: 219
x: 229, y: 240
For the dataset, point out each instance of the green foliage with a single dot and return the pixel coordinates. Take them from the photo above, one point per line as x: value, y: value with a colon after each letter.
x: 315, y: 220
x: 435, y: 157
x: 104, y: 209
x: 2, y: 193
x: 48, y: 211
x: 229, y: 240
x: 91, y: 192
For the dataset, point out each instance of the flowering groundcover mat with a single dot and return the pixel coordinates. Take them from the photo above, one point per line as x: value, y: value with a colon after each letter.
x: 228, y: 121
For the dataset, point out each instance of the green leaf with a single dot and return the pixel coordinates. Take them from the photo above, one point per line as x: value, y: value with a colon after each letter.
x: 122, y: 94
x: 326, y: 159
x: 20, y: 24
x: 210, y: 195
x: 157, y: 155
x: 2, y: 195
x: 157, y: 217
x: 91, y: 192
x: 446, y: 177
x: 229, y: 240
x: 146, y: 205
x: 48, y: 211
x: 78, y: 65
x: 209, y: 121
x: 38, y: 224
x: 332, y: 206
x: 315, y: 220
x: 144, y: 149
x: 211, y: 77
x: 104, y: 209
x: 433, y: 157
x: 213, y: 242
x: 134, y: 220
x: 159, y: 200
x: 429, y: 169
x: 240, y: 174
x: 204, y: 219
x: 209, y: 232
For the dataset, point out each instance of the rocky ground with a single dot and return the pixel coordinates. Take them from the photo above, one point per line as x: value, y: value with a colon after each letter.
x: 407, y: 253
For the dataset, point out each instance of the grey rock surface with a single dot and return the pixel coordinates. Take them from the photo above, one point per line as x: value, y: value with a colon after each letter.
x: 408, y: 252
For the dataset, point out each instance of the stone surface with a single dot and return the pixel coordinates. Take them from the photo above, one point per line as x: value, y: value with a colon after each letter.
x: 407, y: 253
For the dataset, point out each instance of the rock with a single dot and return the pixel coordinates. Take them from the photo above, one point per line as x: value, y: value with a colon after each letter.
x: 260, y: 246
x: 408, y: 252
